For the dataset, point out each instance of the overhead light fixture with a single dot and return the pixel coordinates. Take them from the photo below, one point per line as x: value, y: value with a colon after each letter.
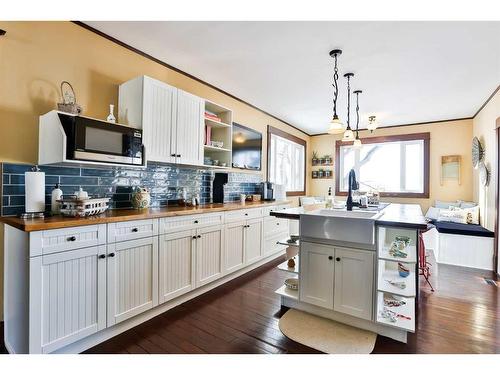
x: 357, y: 141
x: 336, y: 126
x: 348, y: 134
x: 372, y: 123
x: 240, y: 138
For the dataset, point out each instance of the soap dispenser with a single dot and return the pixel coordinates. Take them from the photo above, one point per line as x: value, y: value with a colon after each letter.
x: 329, y: 199
x: 55, y: 206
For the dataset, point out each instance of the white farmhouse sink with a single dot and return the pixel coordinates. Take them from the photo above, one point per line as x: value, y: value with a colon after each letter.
x: 355, y: 226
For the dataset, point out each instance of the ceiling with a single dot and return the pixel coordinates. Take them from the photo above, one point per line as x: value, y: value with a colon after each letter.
x: 410, y: 72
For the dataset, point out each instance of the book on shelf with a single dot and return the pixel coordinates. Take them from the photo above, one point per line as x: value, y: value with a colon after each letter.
x: 208, y: 134
x: 212, y: 116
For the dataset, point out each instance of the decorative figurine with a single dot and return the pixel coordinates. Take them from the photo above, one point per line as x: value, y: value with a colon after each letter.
x: 141, y: 198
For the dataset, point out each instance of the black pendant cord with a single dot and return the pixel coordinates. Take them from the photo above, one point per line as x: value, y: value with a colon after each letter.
x: 357, y: 114
x: 348, y: 101
x: 335, y: 87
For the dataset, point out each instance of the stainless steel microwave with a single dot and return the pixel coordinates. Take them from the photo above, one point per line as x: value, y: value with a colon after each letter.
x: 88, y: 139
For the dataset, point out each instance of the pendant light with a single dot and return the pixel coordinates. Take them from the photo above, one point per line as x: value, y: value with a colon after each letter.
x: 348, y: 134
x: 336, y: 126
x: 357, y: 141
x: 372, y: 123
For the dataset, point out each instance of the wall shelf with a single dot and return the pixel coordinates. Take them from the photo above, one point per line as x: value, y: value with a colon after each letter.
x: 218, y: 131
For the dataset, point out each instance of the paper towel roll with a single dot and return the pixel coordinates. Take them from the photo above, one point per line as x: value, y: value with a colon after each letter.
x: 35, y: 191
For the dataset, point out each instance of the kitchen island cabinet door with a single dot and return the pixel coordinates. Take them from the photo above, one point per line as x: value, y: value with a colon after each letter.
x: 253, y: 240
x: 353, y: 292
x: 176, y: 260
x: 67, y: 297
x: 234, y: 249
x: 316, y: 274
x: 209, y: 245
x: 132, y: 278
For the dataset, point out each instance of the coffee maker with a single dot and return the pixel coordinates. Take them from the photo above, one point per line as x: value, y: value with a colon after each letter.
x: 268, y: 191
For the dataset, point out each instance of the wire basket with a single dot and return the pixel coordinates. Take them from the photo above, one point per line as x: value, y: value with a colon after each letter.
x: 75, y: 207
x: 68, y: 104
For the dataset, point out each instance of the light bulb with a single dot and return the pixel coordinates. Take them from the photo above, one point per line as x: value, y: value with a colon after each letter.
x: 357, y: 143
x: 348, y: 136
x: 336, y: 126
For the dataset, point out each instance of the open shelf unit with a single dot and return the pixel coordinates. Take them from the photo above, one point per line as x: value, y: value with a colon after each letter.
x: 287, y: 292
x: 407, y: 310
x: 388, y: 270
x: 286, y: 243
x: 284, y: 266
x: 221, y: 131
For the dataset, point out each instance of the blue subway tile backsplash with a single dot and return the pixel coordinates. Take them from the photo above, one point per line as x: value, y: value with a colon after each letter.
x: 164, y: 181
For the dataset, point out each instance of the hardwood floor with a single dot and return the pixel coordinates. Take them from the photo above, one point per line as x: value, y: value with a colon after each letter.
x: 462, y: 316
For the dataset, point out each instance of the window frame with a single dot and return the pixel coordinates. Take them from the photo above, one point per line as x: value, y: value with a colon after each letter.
x: 280, y: 133
x: 425, y: 137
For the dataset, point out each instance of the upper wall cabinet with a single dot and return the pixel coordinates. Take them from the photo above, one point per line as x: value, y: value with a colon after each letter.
x: 171, y: 119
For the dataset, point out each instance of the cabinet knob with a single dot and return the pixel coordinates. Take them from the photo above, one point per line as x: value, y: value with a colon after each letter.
x: 337, y: 259
x: 196, y: 221
x: 194, y: 237
x: 277, y: 223
x: 135, y: 229
x: 102, y: 256
x: 72, y: 238
x: 111, y: 255
x: 198, y: 236
x: 172, y: 155
x: 246, y: 213
x: 330, y: 257
x: 178, y: 155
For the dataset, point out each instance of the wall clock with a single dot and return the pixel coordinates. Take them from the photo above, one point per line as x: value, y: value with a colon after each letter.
x: 484, y: 174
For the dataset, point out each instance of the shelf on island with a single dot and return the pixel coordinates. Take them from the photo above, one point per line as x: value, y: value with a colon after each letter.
x: 286, y: 243
x: 288, y: 293
x: 408, y: 310
x: 216, y: 124
x: 387, y: 270
x: 213, y: 148
x: 284, y: 266
x: 410, y: 250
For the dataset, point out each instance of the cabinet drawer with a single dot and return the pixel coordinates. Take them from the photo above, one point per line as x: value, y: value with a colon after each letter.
x: 131, y: 230
x: 239, y: 215
x: 274, y: 226
x: 267, y: 210
x: 271, y: 245
x: 56, y: 240
x: 174, y: 224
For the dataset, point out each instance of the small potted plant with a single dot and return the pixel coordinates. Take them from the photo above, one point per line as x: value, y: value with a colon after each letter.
x: 315, y: 158
x: 314, y: 174
x: 328, y: 159
x: 321, y: 173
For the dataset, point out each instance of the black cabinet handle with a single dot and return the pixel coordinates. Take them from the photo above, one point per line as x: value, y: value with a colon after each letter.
x: 194, y: 237
x: 337, y: 259
x: 102, y: 256
x: 111, y: 255
x: 246, y: 214
x: 196, y: 221
x: 135, y: 230
x: 72, y: 238
x: 172, y: 155
x: 198, y: 236
x: 178, y: 155
x: 330, y: 257
x: 277, y: 223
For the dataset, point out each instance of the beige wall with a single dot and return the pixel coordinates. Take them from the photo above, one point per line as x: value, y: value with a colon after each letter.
x: 447, y: 138
x: 484, y: 129
x: 36, y: 56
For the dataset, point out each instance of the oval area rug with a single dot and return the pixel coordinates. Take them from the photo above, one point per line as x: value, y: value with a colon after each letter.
x: 326, y: 335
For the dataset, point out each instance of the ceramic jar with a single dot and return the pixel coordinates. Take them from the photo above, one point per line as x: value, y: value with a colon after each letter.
x: 141, y: 198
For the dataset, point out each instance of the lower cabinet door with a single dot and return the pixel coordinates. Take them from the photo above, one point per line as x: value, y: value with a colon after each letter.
x: 353, y: 293
x: 317, y: 269
x: 132, y: 278
x: 253, y: 240
x: 176, y: 258
x: 209, y: 254
x: 67, y: 297
x: 234, y: 249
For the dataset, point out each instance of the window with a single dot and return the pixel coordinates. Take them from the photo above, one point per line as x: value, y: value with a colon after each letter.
x: 397, y: 166
x: 286, y: 161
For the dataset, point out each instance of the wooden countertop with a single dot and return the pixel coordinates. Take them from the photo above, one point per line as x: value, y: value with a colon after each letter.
x: 395, y: 214
x: 112, y: 216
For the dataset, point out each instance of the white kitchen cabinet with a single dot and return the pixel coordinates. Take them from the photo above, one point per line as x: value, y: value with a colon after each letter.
x: 68, y: 294
x: 317, y: 269
x: 353, y: 291
x: 171, y: 119
x: 188, y: 132
x: 234, y: 249
x: 253, y: 240
x: 132, y: 279
x: 176, y: 264
x: 209, y: 245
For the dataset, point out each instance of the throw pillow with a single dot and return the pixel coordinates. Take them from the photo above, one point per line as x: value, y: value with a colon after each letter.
x: 444, y: 204
x: 464, y: 204
x: 472, y: 214
x: 453, y: 216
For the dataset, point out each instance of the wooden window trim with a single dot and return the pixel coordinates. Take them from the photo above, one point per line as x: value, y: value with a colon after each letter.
x: 386, y: 139
x: 280, y: 133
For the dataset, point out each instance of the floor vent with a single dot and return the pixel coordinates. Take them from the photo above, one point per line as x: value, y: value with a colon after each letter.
x: 490, y: 282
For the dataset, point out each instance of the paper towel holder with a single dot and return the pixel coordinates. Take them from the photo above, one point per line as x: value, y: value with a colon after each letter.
x: 32, y: 215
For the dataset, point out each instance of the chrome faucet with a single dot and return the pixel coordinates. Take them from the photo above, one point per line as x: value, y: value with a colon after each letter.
x: 353, y: 185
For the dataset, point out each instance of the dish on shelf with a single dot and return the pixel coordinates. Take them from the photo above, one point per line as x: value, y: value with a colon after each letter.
x: 397, y: 249
x: 397, y: 284
x: 403, y: 270
x: 392, y: 316
x: 394, y: 301
x: 292, y: 283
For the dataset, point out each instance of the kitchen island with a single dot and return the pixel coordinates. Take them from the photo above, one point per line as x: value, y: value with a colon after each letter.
x: 358, y: 267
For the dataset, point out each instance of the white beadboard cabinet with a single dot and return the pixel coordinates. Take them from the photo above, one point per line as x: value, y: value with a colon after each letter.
x: 68, y: 289
x: 209, y: 245
x: 171, y: 119
x: 176, y: 264
x: 353, y: 290
x: 132, y: 278
x: 234, y: 249
x: 254, y: 235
